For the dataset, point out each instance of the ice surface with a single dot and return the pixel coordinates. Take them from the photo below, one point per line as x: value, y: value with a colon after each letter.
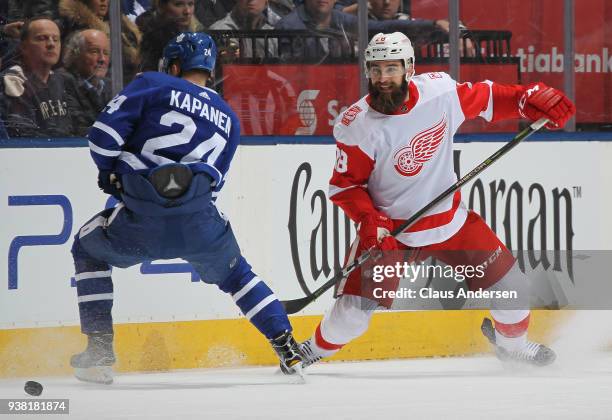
x: 577, y: 386
x: 446, y: 388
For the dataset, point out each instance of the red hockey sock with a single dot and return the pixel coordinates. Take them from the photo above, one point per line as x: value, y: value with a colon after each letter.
x: 513, y: 330
x: 323, y: 344
x: 512, y: 337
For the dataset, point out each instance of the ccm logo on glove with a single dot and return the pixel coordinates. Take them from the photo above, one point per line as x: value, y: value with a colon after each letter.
x: 541, y: 101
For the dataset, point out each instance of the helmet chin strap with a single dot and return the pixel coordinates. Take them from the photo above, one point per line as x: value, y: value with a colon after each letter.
x: 409, y: 75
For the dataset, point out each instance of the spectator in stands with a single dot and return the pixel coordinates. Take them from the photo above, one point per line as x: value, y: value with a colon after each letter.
x: 93, y: 14
x: 20, y: 10
x: 384, y: 10
x: 210, y: 11
x: 159, y: 25
x: 162, y: 23
x: 390, y: 10
x: 281, y: 7
x: 319, y: 16
x: 154, y: 37
x: 86, y: 58
x: 250, y: 15
x: 35, y: 101
x: 181, y: 11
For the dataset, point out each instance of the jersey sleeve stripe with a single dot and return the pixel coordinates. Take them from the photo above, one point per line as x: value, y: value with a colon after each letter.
x: 131, y: 160
x: 219, y: 177
x: 110, y: 131
x: 208, y: 169
x: 487, y: 113
x: 476, y: 100
x: 333, y: 190
x: 104, y: 152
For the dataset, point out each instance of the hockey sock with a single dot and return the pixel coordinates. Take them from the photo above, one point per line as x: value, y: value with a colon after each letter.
x: 511, y: 322
x: 346, y: 320
x: 256, y: 301
x: 511, y: 336
x: 94, y: 290
x: 321, y: 347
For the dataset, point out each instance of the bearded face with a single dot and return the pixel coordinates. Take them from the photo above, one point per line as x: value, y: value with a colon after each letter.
x: 386, y: 97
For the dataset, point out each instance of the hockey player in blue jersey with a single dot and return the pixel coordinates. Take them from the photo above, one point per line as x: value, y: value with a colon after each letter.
x: 163, y: 147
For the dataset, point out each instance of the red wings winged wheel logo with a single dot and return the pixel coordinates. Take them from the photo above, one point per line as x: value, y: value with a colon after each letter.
x: 409, y: 160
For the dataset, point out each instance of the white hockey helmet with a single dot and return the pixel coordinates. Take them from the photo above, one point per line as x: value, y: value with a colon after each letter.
x: 395, y: 46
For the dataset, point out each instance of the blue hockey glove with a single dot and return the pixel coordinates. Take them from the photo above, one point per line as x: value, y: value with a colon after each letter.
x: 109, y: 184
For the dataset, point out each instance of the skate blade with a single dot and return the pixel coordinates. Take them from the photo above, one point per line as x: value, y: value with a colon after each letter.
x: 524, y: 365
x: 97, y: 375
x: 298, y: 376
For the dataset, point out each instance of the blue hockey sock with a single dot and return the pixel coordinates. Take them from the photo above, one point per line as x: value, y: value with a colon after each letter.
x: 94, y: 290
x: 256, y: 301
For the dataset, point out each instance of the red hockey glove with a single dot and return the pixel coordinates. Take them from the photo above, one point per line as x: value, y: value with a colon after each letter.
x: 540, y: 101
x: 374, y: 231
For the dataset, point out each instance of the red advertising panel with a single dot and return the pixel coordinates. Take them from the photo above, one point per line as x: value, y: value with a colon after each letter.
x: 289, y: 99
x: 306, y: 99
x: 537, y: 38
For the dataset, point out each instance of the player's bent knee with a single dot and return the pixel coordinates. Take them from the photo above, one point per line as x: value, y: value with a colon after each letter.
x: 78, y: 251
x: 348, y: 319
x: 240, y: 275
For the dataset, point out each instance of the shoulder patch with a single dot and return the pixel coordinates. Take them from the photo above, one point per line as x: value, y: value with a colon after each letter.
x: 434, y: 75
x: 350, y: 115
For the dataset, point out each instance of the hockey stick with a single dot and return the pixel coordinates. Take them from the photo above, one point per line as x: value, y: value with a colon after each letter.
x: 296, y: 305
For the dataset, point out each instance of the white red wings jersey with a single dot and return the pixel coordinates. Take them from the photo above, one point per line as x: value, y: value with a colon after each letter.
x: 396, y: 164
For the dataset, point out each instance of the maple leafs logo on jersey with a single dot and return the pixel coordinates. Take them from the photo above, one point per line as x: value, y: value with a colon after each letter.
x: 409, y: 160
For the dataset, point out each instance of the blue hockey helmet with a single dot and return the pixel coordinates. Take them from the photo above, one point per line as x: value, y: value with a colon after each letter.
x: 193, y: 50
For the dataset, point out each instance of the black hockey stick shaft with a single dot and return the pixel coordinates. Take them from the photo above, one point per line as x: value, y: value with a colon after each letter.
x: 296, y: 305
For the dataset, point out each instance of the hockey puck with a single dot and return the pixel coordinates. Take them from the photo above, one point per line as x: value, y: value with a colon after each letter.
x: 33, y: 388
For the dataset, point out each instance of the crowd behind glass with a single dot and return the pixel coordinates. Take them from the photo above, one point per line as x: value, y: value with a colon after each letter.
x: 55, y: 54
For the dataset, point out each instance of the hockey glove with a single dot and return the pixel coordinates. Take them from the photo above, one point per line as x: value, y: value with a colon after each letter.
x: 541, y: 101
x: 108, y: 183
x: 374, y: 231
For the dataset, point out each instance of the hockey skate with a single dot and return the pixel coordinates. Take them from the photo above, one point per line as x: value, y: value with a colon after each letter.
x: 308, y: 355
x: 289, y: 353
x: 95, y: 363
x: 532, y: 353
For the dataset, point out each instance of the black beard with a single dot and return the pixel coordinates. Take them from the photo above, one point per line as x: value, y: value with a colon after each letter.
x: 387, y: 103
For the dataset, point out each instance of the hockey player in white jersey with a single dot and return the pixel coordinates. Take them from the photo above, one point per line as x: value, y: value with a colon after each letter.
x: 394, y: 155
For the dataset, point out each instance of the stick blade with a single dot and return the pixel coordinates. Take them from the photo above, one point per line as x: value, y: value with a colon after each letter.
x: 296, y: 305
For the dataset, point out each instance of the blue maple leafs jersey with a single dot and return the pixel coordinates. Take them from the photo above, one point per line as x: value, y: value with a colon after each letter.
x: 159, y: 119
